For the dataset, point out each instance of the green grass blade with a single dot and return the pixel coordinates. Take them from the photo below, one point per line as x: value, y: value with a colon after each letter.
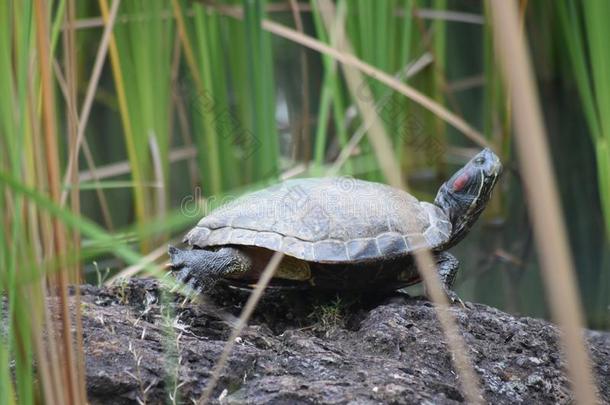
x: 83, y: 225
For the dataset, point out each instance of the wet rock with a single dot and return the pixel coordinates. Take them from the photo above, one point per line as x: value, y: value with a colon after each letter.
x: 142, y: 345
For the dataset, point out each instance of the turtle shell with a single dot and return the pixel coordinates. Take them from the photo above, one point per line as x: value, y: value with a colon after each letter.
x: 326, y: 220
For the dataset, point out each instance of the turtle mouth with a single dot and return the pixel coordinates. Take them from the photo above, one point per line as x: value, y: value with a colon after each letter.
x: 492, y: 166
x: 496, y: 167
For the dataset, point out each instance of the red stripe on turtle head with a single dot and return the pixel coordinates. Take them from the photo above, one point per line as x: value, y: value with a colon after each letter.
x: 460, y: 182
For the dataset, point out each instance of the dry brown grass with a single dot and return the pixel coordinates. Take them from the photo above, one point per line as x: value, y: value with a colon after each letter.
x: 542, y: 196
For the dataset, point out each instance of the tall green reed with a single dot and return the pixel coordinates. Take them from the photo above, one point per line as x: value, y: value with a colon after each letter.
x: 32, y: 240
x: 585, y: 28
x: 229, y: 90
x: 142, y: 67
x: 585, y: 31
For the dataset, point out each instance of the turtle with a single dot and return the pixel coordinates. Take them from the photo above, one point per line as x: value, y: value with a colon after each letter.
x: 336, y: 233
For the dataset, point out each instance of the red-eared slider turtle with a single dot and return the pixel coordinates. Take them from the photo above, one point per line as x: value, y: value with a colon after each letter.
x: 337, y: 233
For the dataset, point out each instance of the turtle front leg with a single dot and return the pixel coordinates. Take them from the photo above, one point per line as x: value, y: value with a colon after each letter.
x: 448, y: 266
x: 201, y: 269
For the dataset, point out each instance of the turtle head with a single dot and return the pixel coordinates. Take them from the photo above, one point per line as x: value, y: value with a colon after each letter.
x: 464, y: 196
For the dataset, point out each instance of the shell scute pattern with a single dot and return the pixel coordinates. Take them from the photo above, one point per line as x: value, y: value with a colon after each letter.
x: 390, y: 243
x: 321, y: 220
x: 269, y: 240
x: 363, y: 248
x: 327, y: 249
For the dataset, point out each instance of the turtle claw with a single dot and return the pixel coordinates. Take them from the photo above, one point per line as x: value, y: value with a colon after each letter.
x: 198, y: 270
x: 188, y: 284
x: 188, y: 288
x: 454, y: 298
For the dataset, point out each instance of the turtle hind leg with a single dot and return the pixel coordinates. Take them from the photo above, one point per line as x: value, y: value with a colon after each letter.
x: 448, y: 267
x: 201, y: 269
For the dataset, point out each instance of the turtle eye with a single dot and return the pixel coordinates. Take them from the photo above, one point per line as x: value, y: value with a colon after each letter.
x: 480, y: 160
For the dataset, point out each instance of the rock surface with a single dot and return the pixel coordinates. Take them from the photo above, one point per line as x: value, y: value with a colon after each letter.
x: 143, y: 346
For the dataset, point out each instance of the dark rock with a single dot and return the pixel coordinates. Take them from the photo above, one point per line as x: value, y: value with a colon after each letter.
x: 143, y: 345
